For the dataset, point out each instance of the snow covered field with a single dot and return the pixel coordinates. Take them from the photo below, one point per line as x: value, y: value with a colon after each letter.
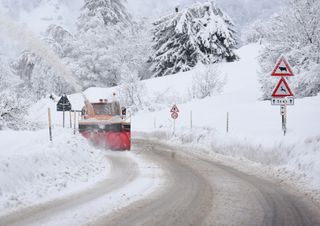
x: 254, y: 126
x: 34, y: 170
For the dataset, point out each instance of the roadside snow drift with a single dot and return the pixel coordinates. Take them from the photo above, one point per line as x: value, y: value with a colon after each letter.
x: 33, y: 170
x: 254, y: 126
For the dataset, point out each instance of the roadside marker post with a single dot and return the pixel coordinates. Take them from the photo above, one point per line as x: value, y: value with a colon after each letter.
x: 191, y: 122
x: 74, y: 122
x: 227, y: 122
x: 282, y: 94
x: 49, y: 121
x: 70, y: 116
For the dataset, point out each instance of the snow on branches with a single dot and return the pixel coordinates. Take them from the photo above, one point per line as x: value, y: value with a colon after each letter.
x: 295, y: 33
x: 200, y: 33
x: 103, y: 13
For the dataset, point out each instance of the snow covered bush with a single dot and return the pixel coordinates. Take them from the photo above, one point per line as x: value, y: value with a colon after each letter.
x: 199, y: 33
x: 39, y: 78
x: 207, y: 81
x: 13, y: 110
x: 294, y: 33
x: 131, y: 91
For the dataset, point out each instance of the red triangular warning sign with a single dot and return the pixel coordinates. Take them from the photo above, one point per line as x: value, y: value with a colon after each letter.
x: 282, y: 89
x: 282, y: 68
x: 174, y: 109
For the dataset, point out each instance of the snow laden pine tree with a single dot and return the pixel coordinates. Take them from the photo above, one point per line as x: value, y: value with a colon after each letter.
x: 200, y: 33
x: 101, y: 27
x: 103, y: 13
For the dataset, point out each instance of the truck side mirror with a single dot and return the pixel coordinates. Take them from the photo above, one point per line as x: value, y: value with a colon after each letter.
x: 124, y: 111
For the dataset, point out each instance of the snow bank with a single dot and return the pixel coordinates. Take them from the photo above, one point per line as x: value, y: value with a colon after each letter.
x: 33, y: 170
x: 254, y: 126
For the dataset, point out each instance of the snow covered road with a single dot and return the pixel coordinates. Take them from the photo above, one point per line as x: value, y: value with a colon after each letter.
x: 157, y: 184
x: 125, y: 184
x: 201, y: 192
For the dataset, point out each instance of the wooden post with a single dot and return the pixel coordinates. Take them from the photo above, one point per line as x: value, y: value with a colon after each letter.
x: 49, y: 120
x: 74, y: 123
x: 70, y: 116
x: 64, y: 115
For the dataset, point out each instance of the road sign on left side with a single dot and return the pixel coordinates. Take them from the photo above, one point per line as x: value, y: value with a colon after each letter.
x: 64, y: 104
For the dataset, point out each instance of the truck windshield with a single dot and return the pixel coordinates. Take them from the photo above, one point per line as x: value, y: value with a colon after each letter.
x: 107, y: 108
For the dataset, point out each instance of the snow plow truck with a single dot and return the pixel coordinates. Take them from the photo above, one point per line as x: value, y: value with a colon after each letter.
x: 103, y: 123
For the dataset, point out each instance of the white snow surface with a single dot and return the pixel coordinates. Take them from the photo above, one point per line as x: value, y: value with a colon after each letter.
x: 254, y: 126
x: 33, y: 170
x: 33, y: 167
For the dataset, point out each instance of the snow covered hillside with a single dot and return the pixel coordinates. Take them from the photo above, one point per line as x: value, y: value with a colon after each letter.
x: 254, y: 126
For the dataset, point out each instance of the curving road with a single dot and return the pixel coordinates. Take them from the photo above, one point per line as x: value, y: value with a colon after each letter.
x: 201, y: 192
x: 195, y: 192
x: 123, y: 171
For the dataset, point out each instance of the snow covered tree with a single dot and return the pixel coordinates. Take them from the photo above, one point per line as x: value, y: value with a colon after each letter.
x: 107, y: 40
x: 199, y: 33
x: 207, y: 81
x: 103, y: 13
x: 295, y: 32
x: 13, y: 102
x: 132, y: 90
x: 39, y: 79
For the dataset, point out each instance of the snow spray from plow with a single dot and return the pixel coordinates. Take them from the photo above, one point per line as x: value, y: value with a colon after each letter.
x: 26, y: 37
x: 98, y: 123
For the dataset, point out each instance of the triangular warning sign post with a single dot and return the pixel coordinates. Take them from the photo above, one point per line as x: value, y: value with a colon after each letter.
x: 282, y: 68
x: 174, y: 109
x: 282, y: 89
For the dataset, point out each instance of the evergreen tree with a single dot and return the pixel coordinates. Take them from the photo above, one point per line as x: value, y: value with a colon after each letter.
x: 103, y: 13
x: 200, y: 33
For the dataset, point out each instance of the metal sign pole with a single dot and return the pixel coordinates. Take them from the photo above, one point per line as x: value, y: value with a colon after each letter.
x: 285, y: 120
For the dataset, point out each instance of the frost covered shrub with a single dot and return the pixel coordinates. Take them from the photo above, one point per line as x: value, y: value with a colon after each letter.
x: 199, y: 33
x: 207, y: 81
x: 294, y: 33
x: 131, y: 91
x: 13, y: 110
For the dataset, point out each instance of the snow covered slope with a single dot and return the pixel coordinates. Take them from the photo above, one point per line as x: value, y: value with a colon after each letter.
x: 254, y: 126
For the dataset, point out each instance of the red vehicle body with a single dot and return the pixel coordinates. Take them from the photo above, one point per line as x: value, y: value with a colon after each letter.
x: 103, y: 124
